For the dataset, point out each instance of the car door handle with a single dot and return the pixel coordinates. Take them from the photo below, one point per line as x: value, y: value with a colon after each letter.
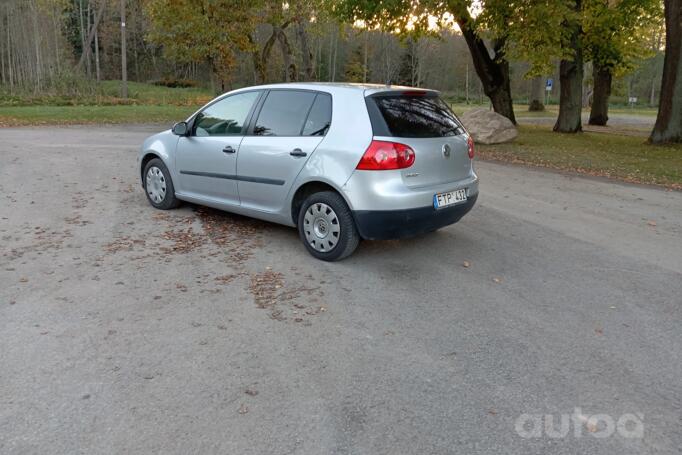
x: 228, y: 149
x: 297, y: 153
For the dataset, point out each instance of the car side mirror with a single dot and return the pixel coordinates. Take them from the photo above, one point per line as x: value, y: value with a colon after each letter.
x: 180, y: 129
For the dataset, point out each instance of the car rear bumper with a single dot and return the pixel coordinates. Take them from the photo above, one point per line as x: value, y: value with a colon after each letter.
x: 387, y: 190
x: 396, y: 224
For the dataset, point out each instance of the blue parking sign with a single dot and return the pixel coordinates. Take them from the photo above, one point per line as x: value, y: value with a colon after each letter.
x: 550, y: 83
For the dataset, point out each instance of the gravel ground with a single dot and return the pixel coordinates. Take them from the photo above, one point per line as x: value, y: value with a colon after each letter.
x: 129, y: 330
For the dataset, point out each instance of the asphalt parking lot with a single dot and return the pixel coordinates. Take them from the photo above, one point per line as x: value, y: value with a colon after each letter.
x: 129, y: 330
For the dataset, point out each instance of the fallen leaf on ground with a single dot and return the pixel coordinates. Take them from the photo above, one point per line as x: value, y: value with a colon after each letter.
x: 466, y: 264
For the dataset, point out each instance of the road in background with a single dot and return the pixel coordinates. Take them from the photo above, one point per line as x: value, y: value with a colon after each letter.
x: 126, y: 329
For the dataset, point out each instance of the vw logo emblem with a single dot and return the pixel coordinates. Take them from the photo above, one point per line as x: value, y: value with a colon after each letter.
x: 446, y: 151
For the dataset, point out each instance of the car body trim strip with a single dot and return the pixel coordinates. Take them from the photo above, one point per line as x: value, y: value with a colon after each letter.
x: 242, y: 178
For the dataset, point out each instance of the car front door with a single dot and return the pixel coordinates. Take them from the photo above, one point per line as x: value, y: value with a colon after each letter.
x: 287, y: 130
x: 206, y: 160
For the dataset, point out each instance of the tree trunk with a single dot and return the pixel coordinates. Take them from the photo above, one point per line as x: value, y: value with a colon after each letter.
x: 466, y: 84
x: 289, y: 65
x: 2, y: 61
x: 571, y: 81
x: 262, y: 67
x: 318, y: 59
x: 599, y: 114
x: 364, y: 58
x: 331, y: 54
x: 87, y: 44
x: 97, y: 68
x: 212, y: 75
x: 36, y: 37
x: 307, y: 55
x: 124, y: 51
x: 493, y: 72
x: 9, y: 53
x: 570, y: 98
x: 537, y: 95
x: 82, y: 28
x: 260, y: 58
x: 336, y: 52
x: 668, y: 126
x: 655, y: 49
x: 57, y: 33
x: 255, y: 58
x: 88, y: 26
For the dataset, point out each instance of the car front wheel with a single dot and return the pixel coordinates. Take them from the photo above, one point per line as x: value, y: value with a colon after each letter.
x: 326, y: 226
x: 158, y: 185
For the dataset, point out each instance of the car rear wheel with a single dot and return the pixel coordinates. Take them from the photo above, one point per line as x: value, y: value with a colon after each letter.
x: 158, y: 185
x: 326, y: 226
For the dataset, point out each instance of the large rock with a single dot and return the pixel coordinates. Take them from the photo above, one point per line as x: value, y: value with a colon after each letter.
x: 488, y: 127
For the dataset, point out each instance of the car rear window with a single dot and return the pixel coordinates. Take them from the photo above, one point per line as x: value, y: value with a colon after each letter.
x: 403, y: 115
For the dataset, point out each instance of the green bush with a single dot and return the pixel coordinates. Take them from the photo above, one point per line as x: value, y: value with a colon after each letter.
x: 173, y: 82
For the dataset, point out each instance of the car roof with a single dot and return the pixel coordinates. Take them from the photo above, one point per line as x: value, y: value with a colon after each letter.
x: 337, y: 87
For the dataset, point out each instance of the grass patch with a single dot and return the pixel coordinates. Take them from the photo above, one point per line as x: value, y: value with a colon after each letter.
x: 107, y: 93
x: 647, y: 111
x: 156, y: 94
x: 627, y: 158
x: 146, y: 103
x: 69, y: 115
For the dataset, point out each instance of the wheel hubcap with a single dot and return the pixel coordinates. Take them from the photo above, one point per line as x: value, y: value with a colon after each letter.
x: 321, y: 227
x: 156, y: 184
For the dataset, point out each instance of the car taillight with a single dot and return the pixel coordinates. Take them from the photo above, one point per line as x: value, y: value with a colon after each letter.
x: 384, y: 155
x: 470, y: 143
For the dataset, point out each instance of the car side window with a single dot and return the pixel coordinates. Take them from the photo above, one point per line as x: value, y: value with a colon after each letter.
x: 283, y: 113
x: 226, y: 117
x: 320, y: 116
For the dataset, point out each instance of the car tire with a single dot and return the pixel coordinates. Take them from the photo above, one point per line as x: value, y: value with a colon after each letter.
x: 158, y: 185
x: 326, y: 226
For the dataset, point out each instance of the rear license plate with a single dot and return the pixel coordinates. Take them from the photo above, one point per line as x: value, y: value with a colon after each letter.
x: 441, y: 200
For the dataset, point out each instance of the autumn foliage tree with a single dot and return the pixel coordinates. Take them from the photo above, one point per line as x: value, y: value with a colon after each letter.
x: 614, y: 39
x: 541, y: 33
x: 486, y: 44
x: 281, y: 16
x: 204, y: 30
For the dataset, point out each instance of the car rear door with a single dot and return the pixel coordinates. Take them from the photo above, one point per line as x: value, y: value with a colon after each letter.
x: 424, y: 122
x: 288, y: 127
x: 206, y: 160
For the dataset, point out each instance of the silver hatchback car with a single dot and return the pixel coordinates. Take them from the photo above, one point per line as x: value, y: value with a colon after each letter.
x: 341, y: 162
